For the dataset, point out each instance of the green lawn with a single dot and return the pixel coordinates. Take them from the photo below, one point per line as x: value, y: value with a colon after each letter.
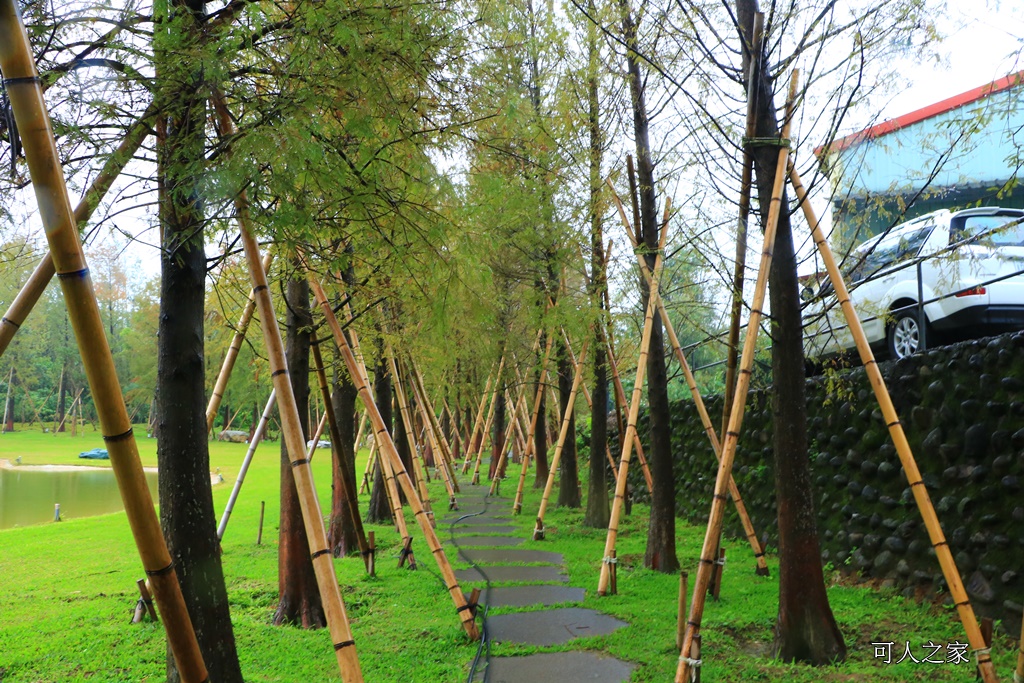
x: 68, y: 590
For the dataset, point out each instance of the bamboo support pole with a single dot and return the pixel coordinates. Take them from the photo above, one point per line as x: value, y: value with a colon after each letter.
x: 435, y: 446
x: 43, y: 273
x: 899, y: 439
x: 590, y: 403
x: 507, y: 447
x: 535, y: 421
x: 70, y: 412
x: 477, y: 424
x: 698, y: 400
x: 370, y: 460
x: 220, y: 386
x: 347, y: 482
x: 732, y: 345
x: 389, y: 452
x: 257, y: 437
x: 623, y: 404
x: 634, y: 410
x: 416, y: 380
x: 407, y: 423
x: 487, y: 424
x: 312, y: 445
x: 24, y: 90
x: 577, y: 381
x: 359, y: 432
x: 714, y: 529
x: 295, y: 443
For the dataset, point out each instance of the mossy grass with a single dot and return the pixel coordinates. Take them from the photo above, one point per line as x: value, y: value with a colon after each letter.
x: 69, y: 589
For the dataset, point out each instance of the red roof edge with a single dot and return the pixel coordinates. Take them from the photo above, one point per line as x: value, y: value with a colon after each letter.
x: 886, y: 127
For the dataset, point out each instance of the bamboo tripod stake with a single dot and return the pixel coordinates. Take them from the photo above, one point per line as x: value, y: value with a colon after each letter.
x: 232, y: 353
x: 708, y: 554
x: 899, y: 439
x: 590, y: 402
x: 435, y: 445
x: 517, y: 505
x: 410, y: 434
x: 291, y: 433
x: 257, y: 437
x: 416, y: 380
x: 634, y: 410
x: 352, y: 499
x: 477, y: 424
x: 513, y: 422
x: 698, y: 400
x: 389, y: 452
x: 26, y: 97
x: 577, y: 380
x: 487, y: 424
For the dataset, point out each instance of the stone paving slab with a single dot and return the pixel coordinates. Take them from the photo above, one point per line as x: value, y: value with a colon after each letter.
x: 525, y: 596
x: 501, y: 556
x: 564, y: 667
x: 551, y: 627
x: 501, y: 574
x: 488, y: 517
x: 488, y: 541
x: 478, y: 529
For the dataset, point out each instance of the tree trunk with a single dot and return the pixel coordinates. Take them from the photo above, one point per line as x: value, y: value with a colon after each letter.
x: 62, y: 393
x: 186, y: 499
x: 598, y: 512
x: 298, y: 594
x: 540, y: 433
x: 341, y: 534
x: 499, y: 432
x: 569, y: 481
x: 805, y: 629
x: 661, y: 530
x: 380, y: 507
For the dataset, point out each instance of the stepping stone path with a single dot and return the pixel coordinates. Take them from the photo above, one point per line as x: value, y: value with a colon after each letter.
x: 479, y: 533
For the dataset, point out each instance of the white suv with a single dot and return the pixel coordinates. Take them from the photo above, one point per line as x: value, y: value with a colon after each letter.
x: 966, y: 267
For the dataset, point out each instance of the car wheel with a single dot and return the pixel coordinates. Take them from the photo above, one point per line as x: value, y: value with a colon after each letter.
x: 904, y: 335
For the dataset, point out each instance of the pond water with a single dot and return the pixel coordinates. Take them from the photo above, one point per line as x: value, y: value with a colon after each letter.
x: 28, y: 494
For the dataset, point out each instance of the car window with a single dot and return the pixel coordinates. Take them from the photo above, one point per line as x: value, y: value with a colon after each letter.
x: 1002, y: 230
x: 894, y: 249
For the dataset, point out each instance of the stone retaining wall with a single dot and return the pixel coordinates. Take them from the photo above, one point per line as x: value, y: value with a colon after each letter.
x: 962, y: 407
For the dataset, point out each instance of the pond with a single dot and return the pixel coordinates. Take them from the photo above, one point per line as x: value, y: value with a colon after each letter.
x: 28, y: 494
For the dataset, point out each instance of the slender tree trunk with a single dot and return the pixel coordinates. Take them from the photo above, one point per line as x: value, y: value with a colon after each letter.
x: 661, y: 531
x: 805, y: 629
x: 298, y: 594
x: 380, y: 508
x: 341, y: 533
x: 185, y: 494
x: 499, y: 432
x: 540, y: 433
x: 569, y: 481
x: 598, y: 512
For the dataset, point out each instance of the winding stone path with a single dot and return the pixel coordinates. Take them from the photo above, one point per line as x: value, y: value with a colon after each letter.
x: 540, y: 627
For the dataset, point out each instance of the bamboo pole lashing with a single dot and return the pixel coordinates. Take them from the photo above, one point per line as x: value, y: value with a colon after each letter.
x: 24, y: 89
x: 487, y: 424
x: 257, y: 437
x: 517, y: 505
x: 351, y: 497
x: 389, y: 452
x: 220, y: 386
x: 899, y: 439
x: 634, y: 410
x: 291, y: 434
x: 698, y: 400
x: 577, y: 380
x: 714, y: 528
